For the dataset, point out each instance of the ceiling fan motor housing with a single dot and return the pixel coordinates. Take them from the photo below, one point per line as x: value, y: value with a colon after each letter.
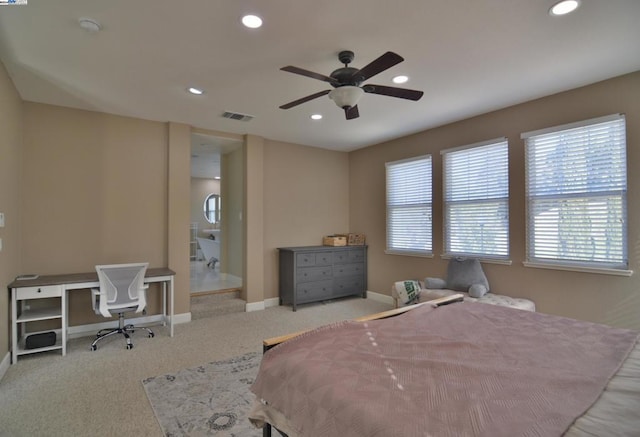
x: 344, y: 76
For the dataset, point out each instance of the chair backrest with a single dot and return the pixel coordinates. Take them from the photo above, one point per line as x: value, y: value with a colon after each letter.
x: 121, y: 286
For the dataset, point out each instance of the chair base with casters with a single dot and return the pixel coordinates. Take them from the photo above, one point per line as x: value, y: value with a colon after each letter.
x: 123, y: 329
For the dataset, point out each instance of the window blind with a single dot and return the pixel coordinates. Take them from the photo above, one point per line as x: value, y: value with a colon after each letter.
x: 476, y: 200
x: 409, y: 206
x: 576, y: 188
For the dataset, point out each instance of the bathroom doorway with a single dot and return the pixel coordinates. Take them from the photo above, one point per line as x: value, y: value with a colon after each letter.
x: 216, y: 231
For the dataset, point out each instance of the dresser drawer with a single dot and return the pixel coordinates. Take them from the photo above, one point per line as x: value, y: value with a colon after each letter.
x: 308, y: 274
x: 349, y: 270
x: 324, y: 258
x: 39, y: 292
x: 348, y: 286
x: 356, y: 255
x: 314, y: 291
x: 314, y: 259
x: 341, y: 257
x: 305, y: 259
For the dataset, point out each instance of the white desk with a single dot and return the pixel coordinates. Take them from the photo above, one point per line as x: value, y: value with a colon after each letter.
x: 57, y: 287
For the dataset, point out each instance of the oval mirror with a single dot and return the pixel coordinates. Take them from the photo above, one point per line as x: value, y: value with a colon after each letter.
x: 212, y: 208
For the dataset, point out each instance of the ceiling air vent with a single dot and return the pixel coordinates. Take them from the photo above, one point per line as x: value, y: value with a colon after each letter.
x: 237, y: 116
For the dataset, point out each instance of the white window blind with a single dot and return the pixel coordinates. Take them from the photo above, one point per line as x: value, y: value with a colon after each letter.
x: 576, y: 187
x: 409, y: 204
x: 476, y: 200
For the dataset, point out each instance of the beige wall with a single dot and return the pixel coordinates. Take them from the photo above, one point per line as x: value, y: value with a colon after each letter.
x: 601, y: 298
x: 176, y: 226
x: 306, y: 192
x: 94, y: 191
x: 10, y: 161
x: 232, y: 213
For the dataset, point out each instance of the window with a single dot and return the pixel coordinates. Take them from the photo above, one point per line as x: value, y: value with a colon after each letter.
x: 409, y: 203
x: 476, y: 200
x: 576, y: 187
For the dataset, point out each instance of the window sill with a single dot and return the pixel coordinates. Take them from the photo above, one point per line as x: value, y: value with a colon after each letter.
x: 408, y: 253
x: 597, y: 270
x: 504, y: 262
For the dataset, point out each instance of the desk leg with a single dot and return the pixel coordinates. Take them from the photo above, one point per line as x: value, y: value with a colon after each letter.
x: 171, y: 306
x: 14, y: 326
x: 164, y: 303
x: 65, y: 321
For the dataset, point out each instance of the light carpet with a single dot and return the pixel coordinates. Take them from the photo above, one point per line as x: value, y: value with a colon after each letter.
x: 209, y: 400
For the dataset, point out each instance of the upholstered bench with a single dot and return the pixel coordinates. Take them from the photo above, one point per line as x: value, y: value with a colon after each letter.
x: 465, y: 276
x: 490, y: 298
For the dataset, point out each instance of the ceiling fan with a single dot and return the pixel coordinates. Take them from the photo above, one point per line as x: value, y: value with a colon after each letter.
x: 347, y: 83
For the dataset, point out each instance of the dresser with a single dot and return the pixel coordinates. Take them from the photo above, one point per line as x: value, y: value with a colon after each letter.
x: 316, y: 273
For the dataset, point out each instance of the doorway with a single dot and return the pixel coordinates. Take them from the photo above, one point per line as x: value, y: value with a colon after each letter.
x: 216, y: 246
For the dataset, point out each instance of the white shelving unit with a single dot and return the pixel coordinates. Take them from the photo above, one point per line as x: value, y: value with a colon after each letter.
x: 22, y: 301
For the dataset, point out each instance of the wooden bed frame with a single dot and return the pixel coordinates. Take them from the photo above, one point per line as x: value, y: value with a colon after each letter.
x: 274, y: 341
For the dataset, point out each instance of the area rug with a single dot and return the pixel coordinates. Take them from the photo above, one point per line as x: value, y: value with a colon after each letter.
x: 208, y: 400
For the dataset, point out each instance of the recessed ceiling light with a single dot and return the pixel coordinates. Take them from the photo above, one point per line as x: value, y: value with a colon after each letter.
x: 564, y: 7
x: 252, y: 21
x: 400, y: 79
x: 316, y: 117
x: 195, y: 91
x: 89, y: 24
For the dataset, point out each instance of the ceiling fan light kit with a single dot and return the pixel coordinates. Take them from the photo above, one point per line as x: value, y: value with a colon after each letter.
x: 346, y: 96
x: 347, y: 82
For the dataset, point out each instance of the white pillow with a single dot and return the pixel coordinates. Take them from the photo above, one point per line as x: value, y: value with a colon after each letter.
x: 408, y: 291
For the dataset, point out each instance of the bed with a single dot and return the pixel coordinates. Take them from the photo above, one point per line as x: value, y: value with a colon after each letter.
x: 460, y: 369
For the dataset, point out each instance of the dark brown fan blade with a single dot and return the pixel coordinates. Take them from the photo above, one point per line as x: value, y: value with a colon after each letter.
x: 390, y: 91
x: 384, y: 62
x: 352, y: 112
x: 305, y: 99
x: 311, y: 74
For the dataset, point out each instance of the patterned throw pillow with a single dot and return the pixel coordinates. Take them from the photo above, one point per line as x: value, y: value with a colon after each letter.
x: 408, y: 291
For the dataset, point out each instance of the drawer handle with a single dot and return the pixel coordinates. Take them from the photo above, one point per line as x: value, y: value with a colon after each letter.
x: 39, y: 290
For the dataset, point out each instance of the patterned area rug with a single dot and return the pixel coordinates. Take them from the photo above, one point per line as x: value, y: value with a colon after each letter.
x: 208, y: 400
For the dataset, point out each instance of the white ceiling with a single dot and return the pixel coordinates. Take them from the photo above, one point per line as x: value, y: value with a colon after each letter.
x: 206, y: 151
x: 468, y: 56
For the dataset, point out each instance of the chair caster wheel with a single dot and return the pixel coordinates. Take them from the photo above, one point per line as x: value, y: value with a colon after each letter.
x: 151, y: 335
x: 93, y: 347
x: 129, y: 346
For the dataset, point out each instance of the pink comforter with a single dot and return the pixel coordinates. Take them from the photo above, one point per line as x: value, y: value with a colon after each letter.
x: 458, y: 370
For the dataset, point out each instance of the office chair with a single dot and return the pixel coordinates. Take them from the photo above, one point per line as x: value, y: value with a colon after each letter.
x: 122, y: 289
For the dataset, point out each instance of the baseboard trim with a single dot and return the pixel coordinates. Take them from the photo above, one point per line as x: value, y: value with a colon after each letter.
x: 273, y: 302
x: 254, y: 306
x: 384, y: 298
x: 267, y: 303
x: 4, y: 364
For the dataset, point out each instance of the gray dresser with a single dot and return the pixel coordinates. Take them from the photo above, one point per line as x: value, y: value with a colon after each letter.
x: 315, y: 273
